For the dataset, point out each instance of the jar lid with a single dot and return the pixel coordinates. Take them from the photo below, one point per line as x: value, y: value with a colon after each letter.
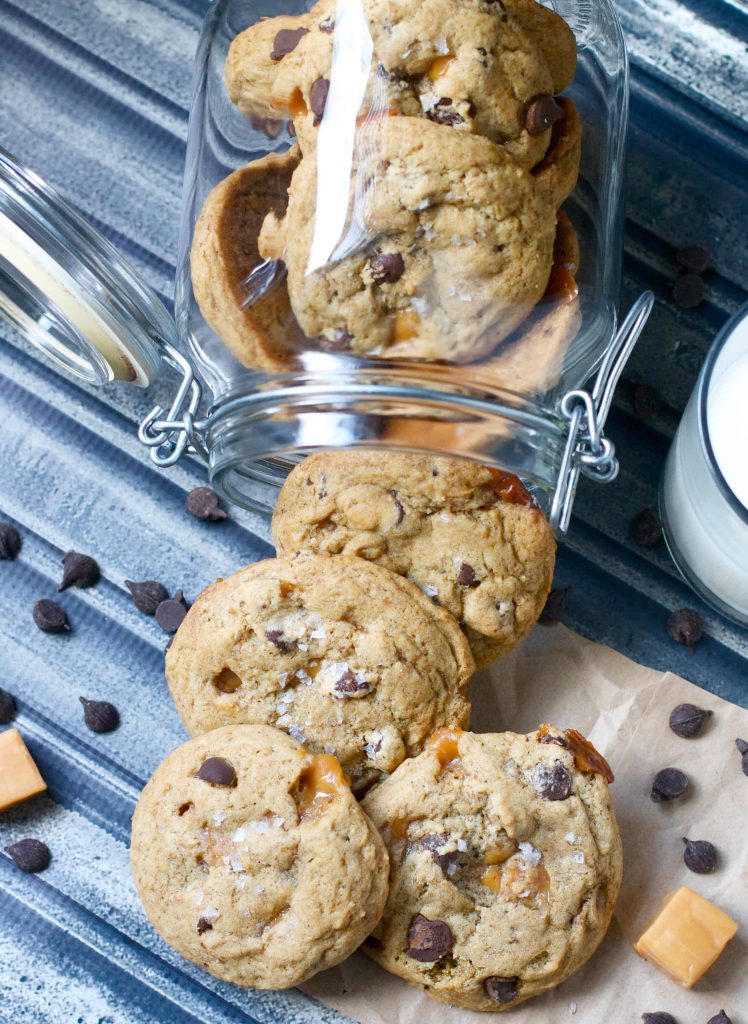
x: 66, y: 289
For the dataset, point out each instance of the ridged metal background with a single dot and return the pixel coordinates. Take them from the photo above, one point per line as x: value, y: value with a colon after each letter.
x: 94, y: 95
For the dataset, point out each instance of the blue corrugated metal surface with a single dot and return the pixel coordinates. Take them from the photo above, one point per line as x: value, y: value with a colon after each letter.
x: 94, y: 95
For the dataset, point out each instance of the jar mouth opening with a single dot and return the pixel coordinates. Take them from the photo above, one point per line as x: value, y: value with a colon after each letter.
x: 256, y: 437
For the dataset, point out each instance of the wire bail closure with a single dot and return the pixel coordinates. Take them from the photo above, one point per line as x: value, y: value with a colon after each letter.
x: 587, y: 450
x: 171, y: 434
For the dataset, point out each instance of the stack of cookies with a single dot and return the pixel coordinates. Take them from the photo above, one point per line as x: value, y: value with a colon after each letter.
x: 417, y: 216
x: 482, y: 868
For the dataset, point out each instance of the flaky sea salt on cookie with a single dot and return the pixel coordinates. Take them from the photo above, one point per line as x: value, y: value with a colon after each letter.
x: 505, y: 865
x: 470, y: 537
x: 253, y: 858
x: 345, y: 656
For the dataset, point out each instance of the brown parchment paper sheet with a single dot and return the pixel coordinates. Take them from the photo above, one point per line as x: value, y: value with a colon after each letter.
x: 556, y: 676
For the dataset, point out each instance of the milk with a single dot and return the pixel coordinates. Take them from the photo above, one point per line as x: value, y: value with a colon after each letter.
x: 705, y: 486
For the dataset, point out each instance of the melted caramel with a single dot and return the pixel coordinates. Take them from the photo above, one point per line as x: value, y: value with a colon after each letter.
x: 406, y: 325
x: 528, y: 884
x: 296, y: 105
x: 586, y: 758
x: 398, y: 827
x: 562, y: 284
x: 444, y: 743
x: 439, y: 67
x: 491, y: 878
x: 510, y: 488
x: 286, y: 587
x: 319, y: 785
x: 498, y: 854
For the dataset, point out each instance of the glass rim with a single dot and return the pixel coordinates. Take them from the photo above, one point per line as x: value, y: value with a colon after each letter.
x: 702, y: 395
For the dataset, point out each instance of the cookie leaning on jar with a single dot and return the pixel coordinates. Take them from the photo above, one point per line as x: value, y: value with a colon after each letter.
x: 344, y: 655
x: 472, y: 538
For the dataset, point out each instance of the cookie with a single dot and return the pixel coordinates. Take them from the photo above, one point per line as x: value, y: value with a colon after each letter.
x: 556, y: 174
x: 449, y: 246
x: 470, y: 537
x: 253, y: 858
x: 242, y: 298
x: 505, y: 865
x: 346, y: 656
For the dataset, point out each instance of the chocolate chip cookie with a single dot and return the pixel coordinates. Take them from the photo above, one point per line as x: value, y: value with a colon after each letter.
x: 241, y: 296
x: 253, y: 858
x: 505, y: 865
x: 344, y: 655
x: 470, y: 537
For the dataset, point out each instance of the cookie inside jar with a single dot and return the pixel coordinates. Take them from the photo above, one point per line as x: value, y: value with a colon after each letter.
x: 411, y: 197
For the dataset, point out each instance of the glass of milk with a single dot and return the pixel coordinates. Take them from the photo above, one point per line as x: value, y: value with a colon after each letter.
x: 704, y: 494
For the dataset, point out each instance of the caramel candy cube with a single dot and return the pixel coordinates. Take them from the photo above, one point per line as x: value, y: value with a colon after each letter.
x: 686, y: 937
x: 19, y: 776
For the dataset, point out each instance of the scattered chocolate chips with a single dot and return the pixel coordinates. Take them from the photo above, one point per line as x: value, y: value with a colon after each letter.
x: 350, y: 685
x: 202, y: 503
x: 79, y: 571
x: 99, y: 715
x: 694, y: 258
x: 689, y: 291
x: 10, y: 542
x: 171, y: 612
x: 50, y: 617
x: 501, y: 990
x: 552, y: 781
x: 742, y: 746
x: 318, y: 98
x: 444, y: 113
x: 645, y: 401
x: 669, y: 784
x: 7, y: 707
x: 542, y: 114
x: 719, y: 1018
x: 328, y: 26
x: 203, y: 925
x: 147, y: 595
x: 554, y: 605
x: 466, y: 575
x: 688, y: 721
x: 217, y: 771
x: 30, y: 855
x: 700, y: 856
x: 338, y: 341
x: 275, y: 636
x: 645, y: 528
x: 285, y: 41
x: 386, y: 267
x: 686, y: 627
x: 428, y: 940
x: 399, y: 508
x: 659, y: 1017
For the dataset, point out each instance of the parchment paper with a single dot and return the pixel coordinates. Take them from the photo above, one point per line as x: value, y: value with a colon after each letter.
x: 556, y: 676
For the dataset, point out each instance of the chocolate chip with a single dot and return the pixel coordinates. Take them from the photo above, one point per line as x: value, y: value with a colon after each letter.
x: 338, y: 341
x: 275, y: 636
x: 50, y: 617
x: 719, y: 1018
x: 434, y: 843
x: 689, y: 291
x: 443, y: 113
x: 466, y: 575
x: 645, y: 401
x: 554, y: 605
x: 428, y: 940
x: 30, y: 855
x: 669, y: 784
x: 203, y: 925
x: 99, y: 715
x: 388, y: 76
x: 645, y: 528
x: 687, y: 721
x: 291, y: 129
x: 659, y: 1017
x: 285, y: 41
x: 147, y: 595
x: 552, y: 781
x: 386, y: 267
x: 318, y: 98
x: 686, y: 627
x: 542, y: 114
x: 328, y: 26
x: 399, y: 508
x: 10, y: 542
x: 561, y: 741
x: 501, y: 990
x: 202, y: 503
x: 267, y: 125
x: 217, y: 771
x: 78, y: 571
x: 694, y: 258
x: 742, y: 746
x: 700, y: 856
x: 7, y: 707
x: 171, y: 612
x: 349, y: 684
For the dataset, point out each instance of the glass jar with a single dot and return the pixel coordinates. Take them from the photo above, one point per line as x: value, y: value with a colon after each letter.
x: 373, y: 251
